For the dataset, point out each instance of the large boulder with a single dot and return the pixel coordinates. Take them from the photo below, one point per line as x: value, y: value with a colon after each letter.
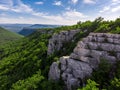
x: 73, y: 72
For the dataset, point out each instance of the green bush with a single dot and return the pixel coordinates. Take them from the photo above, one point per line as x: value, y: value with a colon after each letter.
x: 115, y: 84
x: 91, y: 85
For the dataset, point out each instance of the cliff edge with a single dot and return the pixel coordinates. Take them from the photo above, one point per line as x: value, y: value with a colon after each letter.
x: 77, y: 67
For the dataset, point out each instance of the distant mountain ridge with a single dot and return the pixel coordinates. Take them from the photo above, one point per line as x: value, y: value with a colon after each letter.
x: 43, y: 26
x: 25, y: 29
x: 14, y: 27
x: 29, y: 30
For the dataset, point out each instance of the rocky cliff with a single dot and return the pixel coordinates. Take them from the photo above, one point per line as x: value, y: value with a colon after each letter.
x: 77, y: 67
x: 58, y: 40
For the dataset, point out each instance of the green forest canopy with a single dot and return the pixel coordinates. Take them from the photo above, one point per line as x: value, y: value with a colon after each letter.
x: 24, y: 64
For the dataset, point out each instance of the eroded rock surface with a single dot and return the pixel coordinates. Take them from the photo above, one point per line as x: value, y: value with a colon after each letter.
x: 77, y: 67
x: 58, y: 40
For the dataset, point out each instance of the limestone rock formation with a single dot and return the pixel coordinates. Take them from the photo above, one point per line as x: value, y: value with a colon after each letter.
x: 58, y: 40
x: 77, y: 67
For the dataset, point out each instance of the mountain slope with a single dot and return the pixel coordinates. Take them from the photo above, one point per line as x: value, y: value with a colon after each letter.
x: 7, y: 36
x: 24, y: 64
x: 26, y: 58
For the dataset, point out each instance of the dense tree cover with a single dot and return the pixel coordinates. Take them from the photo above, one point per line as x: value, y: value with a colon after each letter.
x: 29, y: 83
x: 22, y: 60
x: 24, y: 64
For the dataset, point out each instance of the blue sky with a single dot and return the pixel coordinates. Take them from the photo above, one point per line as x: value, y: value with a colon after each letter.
x: 57, y: 11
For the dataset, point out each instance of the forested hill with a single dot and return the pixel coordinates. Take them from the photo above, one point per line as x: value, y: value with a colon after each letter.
x: 7, y: 36
x: 29, y: 30
x: 24, y: 64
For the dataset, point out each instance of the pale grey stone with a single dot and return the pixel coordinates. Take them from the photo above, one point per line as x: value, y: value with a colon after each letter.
x: 117, y: 36
x: 92, y: 45
x: 109, y: 35
x: 72, y: 83
x: 63, y: 62
x: 81, y: 44
x: 54, y: 72
x: 96, y: 54
x: 117, y: 48
x: 107, y: 47
x: 81, y: 51
x: 85, y: 58
x: 100, y: 39
x: 78, y: 68
x: 110, y: 40
x: 64, y: 76
x: 74, y: 56
x: 116, y: 41
x: 57, y: 40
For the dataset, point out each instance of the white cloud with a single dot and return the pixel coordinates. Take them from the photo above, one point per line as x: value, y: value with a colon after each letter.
x: 57, y: 3
x: 66, y: 17
x: 111, y: 11
x: 2, y: 7
x: 19, y: 8
x: 74, y: 1
x: 67, y: 8
x: 39, y: 14
x: 106, y: 8
x: 89, y: 1
x: 115, y: 0
x: 22, y: 8
x: 116, y: 9
x: 39, y: 3
x: 15, y: 6
x: 113, y: 7
x: 73, y: 15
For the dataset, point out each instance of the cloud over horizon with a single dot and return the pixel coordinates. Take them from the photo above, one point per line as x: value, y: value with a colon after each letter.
x: 57, y: 11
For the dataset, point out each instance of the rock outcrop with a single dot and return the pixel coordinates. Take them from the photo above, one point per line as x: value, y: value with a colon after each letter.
x: 77, y: 67
x: 58, y: 40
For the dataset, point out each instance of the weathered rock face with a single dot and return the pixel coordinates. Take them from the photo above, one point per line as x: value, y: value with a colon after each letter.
x: 97, y: 46
x: 74, y: 69
x: 73, y: 72
x: 57, y: 41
